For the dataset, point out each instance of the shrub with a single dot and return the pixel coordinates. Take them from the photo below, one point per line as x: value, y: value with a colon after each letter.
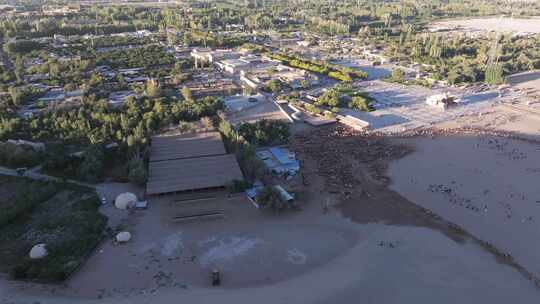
x: 398, y: 75
x: 270, y: 198
x: 20, y: 271
x: 312, y: 109
x: 252, y: 167
x: 137, y: 171
x: 16, y: 156
x: 236, y: 186
x: 361, y: 103
x: 27, y: 196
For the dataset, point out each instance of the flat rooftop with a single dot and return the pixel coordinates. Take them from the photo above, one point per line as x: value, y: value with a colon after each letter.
x: 192, y: 174
x: 193, y: 161
x: 186, y: 146
x: 258, y: 111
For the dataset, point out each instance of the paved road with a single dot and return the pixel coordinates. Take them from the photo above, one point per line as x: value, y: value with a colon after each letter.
x: 32, y: 173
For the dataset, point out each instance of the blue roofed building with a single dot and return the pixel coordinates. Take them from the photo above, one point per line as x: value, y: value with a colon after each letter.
x: 279, y: 160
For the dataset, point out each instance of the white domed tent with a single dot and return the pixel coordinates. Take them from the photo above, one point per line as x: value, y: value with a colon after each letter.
x: 38, y: 252
x: 123, y: 237
x: 125, y: 200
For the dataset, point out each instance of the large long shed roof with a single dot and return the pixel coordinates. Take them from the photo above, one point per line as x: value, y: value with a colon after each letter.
x: 186, y: 146
x: 192, y: 174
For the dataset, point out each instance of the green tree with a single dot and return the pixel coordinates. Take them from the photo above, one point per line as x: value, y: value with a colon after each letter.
x: 361, y: 103
x: 186, y: 93
x: 275, y: 86
x: 270, y: 198
x: 137, y: 171
x: 330, y: 98
x: 153, y: 89
x: 91, y: 168
x: 398, y: 75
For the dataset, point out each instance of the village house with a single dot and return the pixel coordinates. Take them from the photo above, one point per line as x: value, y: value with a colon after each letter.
x: 57, y: 95
x: 210, y: 84
x: 207, y: 55
x: 120, y: 97
x: 55, y: 10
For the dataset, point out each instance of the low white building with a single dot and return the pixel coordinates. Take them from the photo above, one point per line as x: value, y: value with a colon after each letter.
x: 207, y: 55
x: 120, y: 97
x: 442, y: 101
x: 243, y: 64
x: 233, y: 66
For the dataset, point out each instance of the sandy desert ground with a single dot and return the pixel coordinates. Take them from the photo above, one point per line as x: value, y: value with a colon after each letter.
x: 488, y: 185
x: 495, y: 24
x: 423, y: 266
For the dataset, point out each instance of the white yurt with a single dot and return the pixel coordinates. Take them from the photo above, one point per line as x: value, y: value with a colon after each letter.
x: 125, y: 200
x: 123, y: 237
x: 38, y: 252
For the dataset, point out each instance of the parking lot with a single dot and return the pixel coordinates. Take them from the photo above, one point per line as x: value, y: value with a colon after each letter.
x: 400, y: 107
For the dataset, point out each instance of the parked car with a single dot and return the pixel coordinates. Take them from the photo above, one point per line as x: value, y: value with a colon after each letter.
x: 141, y: 205
x: 21, y: 171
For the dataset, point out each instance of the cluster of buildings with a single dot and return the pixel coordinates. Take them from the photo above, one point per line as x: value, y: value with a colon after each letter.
x: 210, y: 83
x: 294, y: 78
x: 46, y: 10
x: 252, y: 70
x: 74, y: 40
x: 51, y: 97
x: 60, y: 10
x: 337, y: 48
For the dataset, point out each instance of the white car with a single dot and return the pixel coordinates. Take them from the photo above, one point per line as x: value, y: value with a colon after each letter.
x: 141, y: 205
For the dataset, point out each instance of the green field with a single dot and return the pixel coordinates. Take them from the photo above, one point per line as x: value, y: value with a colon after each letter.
x: 63, y: 216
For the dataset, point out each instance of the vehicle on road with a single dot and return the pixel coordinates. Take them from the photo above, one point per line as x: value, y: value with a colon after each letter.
x: 21, y: 171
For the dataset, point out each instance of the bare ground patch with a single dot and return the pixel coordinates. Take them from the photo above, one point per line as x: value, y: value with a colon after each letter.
x: 350, y: 167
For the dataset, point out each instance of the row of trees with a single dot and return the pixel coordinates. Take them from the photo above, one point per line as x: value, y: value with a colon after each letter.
x: 341, y: 73
x: 25, y: 29
x: 265, y: 132
x: 462, y: 59
x: 147, y: 56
